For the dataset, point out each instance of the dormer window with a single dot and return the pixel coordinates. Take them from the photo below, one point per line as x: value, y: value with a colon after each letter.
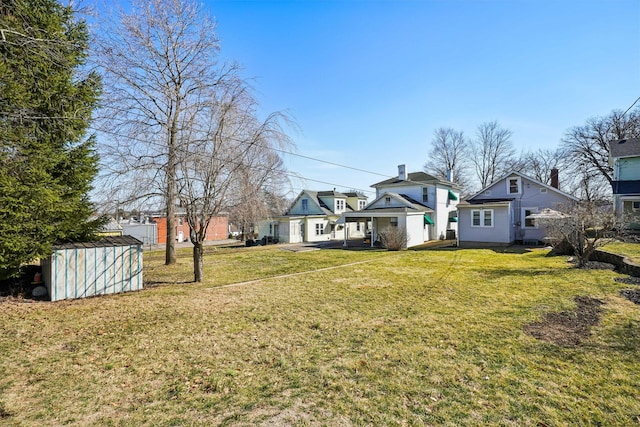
x: 339, y: 205
x: 305, y: 204
x: 387, y: 201
x: 361, y: 204
x: 513, y: 186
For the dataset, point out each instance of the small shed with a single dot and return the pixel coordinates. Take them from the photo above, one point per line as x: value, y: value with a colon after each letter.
x: 107, y: 266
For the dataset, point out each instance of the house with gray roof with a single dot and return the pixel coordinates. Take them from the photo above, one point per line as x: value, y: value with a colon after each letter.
x: 313, y: 217
x: 500, y: 214
x: 421, y: 203
x: 624, y: 157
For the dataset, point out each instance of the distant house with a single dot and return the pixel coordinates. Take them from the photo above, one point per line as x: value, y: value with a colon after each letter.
x: 498, y: 214
x: 313, y: 217
x: 218, y: 228
x: 421, y: 203
x: 625, y: 159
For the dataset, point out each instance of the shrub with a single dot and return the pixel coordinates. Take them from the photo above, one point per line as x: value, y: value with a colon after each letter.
x: 394, y: 238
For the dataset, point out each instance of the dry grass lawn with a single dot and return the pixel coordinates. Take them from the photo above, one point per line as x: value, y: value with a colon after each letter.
x: 432, y: 337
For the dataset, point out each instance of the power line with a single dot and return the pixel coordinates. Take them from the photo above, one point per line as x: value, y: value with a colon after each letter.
x: 290, y: 174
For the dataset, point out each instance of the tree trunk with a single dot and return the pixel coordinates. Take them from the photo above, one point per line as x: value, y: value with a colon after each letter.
x: 198, y: 264
x: 170, y: 250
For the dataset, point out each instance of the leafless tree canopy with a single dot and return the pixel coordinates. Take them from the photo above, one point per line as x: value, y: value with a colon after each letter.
x: 449, y: 155
x: 160, y: 62
x: 182, y: 126
x: 492, y: 153
x: 588, y: 145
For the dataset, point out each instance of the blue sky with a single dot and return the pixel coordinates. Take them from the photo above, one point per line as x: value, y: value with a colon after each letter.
x: 369, y: 81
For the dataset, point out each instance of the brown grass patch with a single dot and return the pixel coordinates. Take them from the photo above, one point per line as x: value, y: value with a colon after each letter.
x: 568, y: 328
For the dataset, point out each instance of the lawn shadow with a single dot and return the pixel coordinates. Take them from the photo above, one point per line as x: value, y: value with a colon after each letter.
x: 155, y: 283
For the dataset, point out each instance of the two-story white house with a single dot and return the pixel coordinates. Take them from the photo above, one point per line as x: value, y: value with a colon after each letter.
x: 624, y: 157
x: 498, y: 215
x: 313, y: 217
x: 421, y: 203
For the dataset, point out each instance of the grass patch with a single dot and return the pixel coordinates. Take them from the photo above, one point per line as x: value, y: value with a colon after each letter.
x: 629, y: 250
x: 408, y: 338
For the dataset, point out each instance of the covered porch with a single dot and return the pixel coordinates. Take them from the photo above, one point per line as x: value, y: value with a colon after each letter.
x: 418, y: 224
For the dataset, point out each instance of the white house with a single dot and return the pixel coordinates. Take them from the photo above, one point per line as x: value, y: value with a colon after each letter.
x: 421, y: 203
x: 624, y: 158
x: 497, y: 215
x: 313, y: 217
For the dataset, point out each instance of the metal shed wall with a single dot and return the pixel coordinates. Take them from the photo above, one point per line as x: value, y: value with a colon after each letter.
x: 79, y: 271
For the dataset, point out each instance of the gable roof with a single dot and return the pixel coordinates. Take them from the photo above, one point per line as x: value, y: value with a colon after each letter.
x: 418, y: 177
x: 625, y: 148
x: 314, y: 196
x: 406, y: 202
x: 542, y: 184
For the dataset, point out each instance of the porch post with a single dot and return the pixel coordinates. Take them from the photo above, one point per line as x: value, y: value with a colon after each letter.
x: 372, y: 230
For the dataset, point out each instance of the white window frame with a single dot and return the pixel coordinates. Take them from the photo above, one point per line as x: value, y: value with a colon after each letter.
x: 633, y: 205
x: 387, y: 200
x: 524, y: 218
x: 393, y: 221
x: 482, y: 217
x: 304, y: 204
x: 339, y: 205
x: 361, y: 204
x: 319, y: 229
x: 518, y: 184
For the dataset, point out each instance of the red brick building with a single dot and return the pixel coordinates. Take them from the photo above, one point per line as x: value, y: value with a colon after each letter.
x: 218, y: 229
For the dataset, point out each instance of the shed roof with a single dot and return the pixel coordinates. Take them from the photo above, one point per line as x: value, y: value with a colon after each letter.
x: 105, y: 242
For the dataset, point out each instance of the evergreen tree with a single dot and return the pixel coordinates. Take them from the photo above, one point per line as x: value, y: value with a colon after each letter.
x: 47, y: 164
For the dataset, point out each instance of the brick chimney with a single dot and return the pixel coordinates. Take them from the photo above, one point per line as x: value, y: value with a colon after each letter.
x: 554, y: 178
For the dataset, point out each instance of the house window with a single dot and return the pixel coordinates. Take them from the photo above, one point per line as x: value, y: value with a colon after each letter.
x: 425, y: 194
x: 387, y: 201
x: 543, y: 190
x: 528, y: 222
x: 393, y: 221
x: 339, y: 205
x: 482, y: 218
x: 635, y: 206
x: 513, y: 185
x: 358, y: 226
x: 319, y: 229
x: 180, y: 221
x: 361, y: 204
x: 305, y: 204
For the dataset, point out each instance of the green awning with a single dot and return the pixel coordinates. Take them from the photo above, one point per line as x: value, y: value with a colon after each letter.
x: 452, y: 195
x: 453, y: 219
x: 428, y: 220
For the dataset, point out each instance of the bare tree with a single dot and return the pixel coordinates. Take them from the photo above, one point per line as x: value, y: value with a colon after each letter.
x: 227, y: 144
x: 582, y: 228
x: 492, y: 152
x: 448, y: 156
x: 538, y: 164
x: 588, y: 145
x: 160, y: 66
